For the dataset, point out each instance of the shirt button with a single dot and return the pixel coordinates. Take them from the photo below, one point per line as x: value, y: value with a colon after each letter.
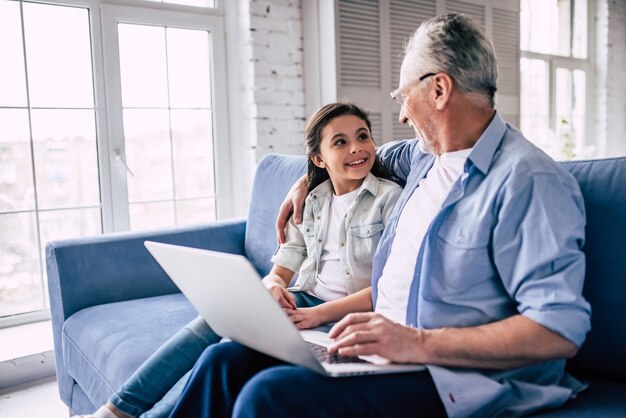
x: 342, y: 244
x: 318, y: 218
x: 314, y: 197
x: 308, y: 230
x: 319, y: 241
x: 347, y: 273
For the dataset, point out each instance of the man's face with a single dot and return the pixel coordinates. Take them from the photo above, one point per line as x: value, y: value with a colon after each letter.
x: 416, y: 109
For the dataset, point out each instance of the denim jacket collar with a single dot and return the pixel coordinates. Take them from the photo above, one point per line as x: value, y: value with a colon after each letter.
x: 370, y: 184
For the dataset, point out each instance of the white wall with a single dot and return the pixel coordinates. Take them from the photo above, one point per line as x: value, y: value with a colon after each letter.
x: 266, y: 86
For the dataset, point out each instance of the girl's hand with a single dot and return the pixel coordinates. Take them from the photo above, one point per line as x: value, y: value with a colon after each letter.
x: 281, y: 295
x: 305, y: 318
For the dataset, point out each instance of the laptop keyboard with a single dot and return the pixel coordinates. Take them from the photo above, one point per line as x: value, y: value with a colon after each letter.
x: 321, y: 353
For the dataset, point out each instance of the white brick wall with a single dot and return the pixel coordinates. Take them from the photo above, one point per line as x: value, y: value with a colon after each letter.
x: 268, y: 113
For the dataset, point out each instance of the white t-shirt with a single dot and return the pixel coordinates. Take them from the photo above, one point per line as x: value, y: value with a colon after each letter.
x: 330, y: 283
x: 416, y: 216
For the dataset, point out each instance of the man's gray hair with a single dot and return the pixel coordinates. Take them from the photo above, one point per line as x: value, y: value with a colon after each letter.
x: 455, y: 44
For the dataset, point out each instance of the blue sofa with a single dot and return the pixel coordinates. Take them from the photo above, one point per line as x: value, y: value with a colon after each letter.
x: 112, y: 305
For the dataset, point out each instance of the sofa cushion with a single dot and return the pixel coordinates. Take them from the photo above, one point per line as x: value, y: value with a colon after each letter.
x: 278, y: 174
x: 602, y: 183
x: 104, y: 344
x: 603, y: 398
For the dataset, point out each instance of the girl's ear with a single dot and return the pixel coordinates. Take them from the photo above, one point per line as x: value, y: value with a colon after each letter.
x: 317, y: 160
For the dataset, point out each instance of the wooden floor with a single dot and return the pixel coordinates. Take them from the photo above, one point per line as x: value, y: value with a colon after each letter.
x: 38, y: 399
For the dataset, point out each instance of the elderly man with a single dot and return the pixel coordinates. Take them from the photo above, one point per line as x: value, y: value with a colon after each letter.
x: 478, y: 275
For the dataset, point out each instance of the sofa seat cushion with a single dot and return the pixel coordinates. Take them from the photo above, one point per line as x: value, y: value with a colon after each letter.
x: 603, y: 399
x: 104, y: 344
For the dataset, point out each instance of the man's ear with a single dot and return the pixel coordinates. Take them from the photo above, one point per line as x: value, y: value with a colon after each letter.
x: 317, y: 160
x: 443, y: 85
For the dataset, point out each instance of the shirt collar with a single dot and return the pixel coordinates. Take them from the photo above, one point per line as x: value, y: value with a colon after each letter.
x: 486, y: 146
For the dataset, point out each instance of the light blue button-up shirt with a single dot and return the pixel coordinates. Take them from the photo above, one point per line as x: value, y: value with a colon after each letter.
x: 506, y: 241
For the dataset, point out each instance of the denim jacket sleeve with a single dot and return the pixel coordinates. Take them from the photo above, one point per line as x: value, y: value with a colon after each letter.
x: 537, y: 250
x: 292, y: 253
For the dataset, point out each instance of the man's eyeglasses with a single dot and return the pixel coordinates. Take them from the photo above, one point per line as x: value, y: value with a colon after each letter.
x: 398, y: 96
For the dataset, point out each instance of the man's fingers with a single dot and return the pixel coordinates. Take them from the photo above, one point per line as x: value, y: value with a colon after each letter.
x: 281, y: 221
x: 353, y: 318
x: 366, y: 349
x: 355, y: 338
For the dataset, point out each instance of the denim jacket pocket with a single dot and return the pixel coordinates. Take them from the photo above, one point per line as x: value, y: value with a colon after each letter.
x: 365, y: 240
x: 461, y: 256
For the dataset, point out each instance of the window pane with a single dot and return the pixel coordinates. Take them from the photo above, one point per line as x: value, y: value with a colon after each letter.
x: 557, y: 27
x: 16, y: 169
x: 69, y: 223
x: 189, y: 71
x: 148, y: 154
x: 192, y: 138
x: 151, y: 215
x: 535, y: 115
x: 570, y: 111
x: 58, y: 55
x: 195, y: 211
x: 142, y: 66
x: 66, y: 158
x: 20, y: 271
x: 12, y: 74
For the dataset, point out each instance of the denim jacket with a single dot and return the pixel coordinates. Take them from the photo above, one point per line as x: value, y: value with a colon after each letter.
x: 360, y: 232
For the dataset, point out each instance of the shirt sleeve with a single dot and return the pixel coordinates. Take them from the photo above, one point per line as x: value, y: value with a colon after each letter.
x: 537, y: 250
x: 396, y: 156
x: 292, y: 253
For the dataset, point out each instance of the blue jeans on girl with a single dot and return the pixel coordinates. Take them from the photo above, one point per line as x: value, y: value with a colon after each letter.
x: 154, y: 388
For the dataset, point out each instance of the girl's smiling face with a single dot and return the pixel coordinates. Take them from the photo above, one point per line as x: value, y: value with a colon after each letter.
x: 347, y: 152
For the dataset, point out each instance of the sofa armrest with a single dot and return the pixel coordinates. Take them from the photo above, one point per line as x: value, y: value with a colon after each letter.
x: 109, y: 268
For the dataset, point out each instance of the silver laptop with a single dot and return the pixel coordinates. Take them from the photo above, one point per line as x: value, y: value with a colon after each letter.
x: 228, y: 293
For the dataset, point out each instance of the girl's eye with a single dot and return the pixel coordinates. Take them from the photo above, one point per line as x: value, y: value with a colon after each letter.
x: 364, y: 137
x: 340, y: 142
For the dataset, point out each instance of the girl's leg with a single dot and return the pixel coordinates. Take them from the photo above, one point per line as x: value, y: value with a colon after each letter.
x: 163, y: 369
x: 305, y: 300
x: 216, y: 379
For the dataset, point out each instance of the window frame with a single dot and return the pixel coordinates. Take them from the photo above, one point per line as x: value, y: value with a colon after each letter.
x: 553, y: 62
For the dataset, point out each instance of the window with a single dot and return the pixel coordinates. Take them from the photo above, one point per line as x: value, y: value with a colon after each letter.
x: 555, y: 74
x: 107, y: 123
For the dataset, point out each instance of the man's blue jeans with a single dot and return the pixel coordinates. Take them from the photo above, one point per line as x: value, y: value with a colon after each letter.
x: 230, y: 379
x: 152, y: 391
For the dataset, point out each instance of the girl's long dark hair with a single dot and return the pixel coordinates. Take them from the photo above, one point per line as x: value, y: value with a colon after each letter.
x: 313, y: 130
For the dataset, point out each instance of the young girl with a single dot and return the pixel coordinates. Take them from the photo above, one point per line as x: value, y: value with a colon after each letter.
x: 347, y: 208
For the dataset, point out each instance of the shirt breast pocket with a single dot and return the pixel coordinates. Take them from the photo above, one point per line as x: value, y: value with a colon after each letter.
x: 365, y: 240
x: 462, y: 254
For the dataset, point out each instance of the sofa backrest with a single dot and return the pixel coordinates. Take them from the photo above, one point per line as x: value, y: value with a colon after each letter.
x: 603, y: 184
x: 274, y: 177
